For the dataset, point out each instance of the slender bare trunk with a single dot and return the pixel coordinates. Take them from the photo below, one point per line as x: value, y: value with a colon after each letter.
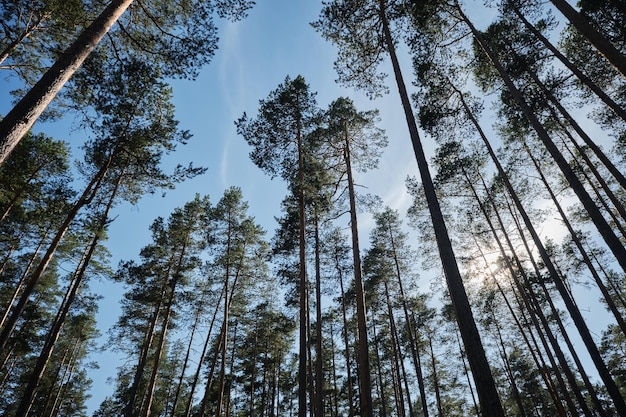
x: 605, y: 230
x: 485, y: 384
x: 365, y: 378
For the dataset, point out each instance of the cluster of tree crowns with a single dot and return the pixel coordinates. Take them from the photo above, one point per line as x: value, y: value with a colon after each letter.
x: 201, y: 328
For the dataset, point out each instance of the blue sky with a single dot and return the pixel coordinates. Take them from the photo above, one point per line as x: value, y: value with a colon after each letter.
x: 254, y: 56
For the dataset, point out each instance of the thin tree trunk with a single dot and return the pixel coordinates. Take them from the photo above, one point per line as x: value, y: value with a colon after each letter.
x: 232, y: 371
x: 129, y: 409
x: 603, y: 227
x: 433, y: 364
x: 381, y: 385
x: 609, y: 236
x: 186, y: 360
x: 304, y: 308
x: 564, y: 334
x: 72, y: 291
x: 21, y: 118
x: 22, y: 280
x: 394, y: 351
x: 485, y: 384
x: 220, y: 391
x: 522, y: 292
x: 532, y: 303
x: 594, y: 273
x: 253, y: 373
x: 335, y: 407
x: 365, y: 379
x: 467, y: 375
x: 573, y: 68
x: 86, y: 197
x: 346, y: 342
x: 507, y: 367
x: 319, y: 370
x: 533, y: 347
x: 196, y: 376
x: 412, y: 342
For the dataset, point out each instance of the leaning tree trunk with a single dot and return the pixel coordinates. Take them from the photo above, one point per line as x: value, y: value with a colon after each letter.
x: 603, y: 227
x: 72, y: 291
x: 607, y: 233
x: 485, y: 385
x: 20, y: 119
x: 583, y: 252
x: 573, y: 68
x: 87, y: 196
x: 600, y: 42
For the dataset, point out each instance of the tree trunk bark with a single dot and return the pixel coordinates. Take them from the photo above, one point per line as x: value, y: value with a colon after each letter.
x: 21, y: 118
x: 57, y: 326
x: 485, y: 385
x: 610, y: 238
x: 365, y: 378
x: 573, y: 68
x: 601, y: 43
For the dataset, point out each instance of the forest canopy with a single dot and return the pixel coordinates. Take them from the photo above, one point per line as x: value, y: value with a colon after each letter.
x: 419, y: 212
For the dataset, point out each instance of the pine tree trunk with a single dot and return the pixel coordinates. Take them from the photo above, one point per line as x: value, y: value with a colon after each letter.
x: 381, y: 385
x: 22, y: 280
x: 303, y: 293
x: 594, y: 273
x: 86, y: 197
x: 394, y: 351
x: 57, y: 326
x: 533, y: 347
x: 319, y: 370
x: 433, y: 364
x: 573, y: 68
x: 365, y: 378
x: 205, y: 347
x: 601, y: 43
x: 186, y: 360
x: 346, y: 342
x: 485, y: 384
x: 609, y: 236
x: 521, y: 290
x: 21, y: 118
x: 129, y: 409
x: 467, y: 375
x: 412, y: 343
x: 533, y: 306
x: 220, y: 391
x: 603, y: 227
x: 555, y: 313
x: 507, y: 367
